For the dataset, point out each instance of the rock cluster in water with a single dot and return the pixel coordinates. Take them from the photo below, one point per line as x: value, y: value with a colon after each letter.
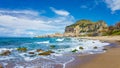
x: 38, y: 52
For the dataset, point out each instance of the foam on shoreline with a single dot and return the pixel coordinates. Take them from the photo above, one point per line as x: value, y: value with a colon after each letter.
x: 68, y: 62
x: 63, y: 51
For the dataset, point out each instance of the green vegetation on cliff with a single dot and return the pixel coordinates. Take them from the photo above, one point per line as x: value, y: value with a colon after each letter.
x: 81, y: 23
x: 88, y: 28
x: 84, y: 23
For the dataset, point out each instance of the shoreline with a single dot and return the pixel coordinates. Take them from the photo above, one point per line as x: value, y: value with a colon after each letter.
x: 109, y: 59
x: 81, y: 61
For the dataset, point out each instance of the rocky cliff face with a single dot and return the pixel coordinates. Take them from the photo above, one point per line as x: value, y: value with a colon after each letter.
x: 85, y: 27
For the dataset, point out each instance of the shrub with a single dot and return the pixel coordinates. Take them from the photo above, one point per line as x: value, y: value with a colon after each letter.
x: 116, y: 32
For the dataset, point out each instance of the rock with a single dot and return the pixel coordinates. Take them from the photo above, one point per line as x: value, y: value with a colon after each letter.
x: 46, y: 53
x: 50, y: 51
x: 86, y: 28
x: 1, y: 66
x: 81, y: 48
x: 5, y: 53
x: 39, y: 50
x: 22, y: 49
x: 31, y: 53
x: 104, y: 49
x: 117, y: 26
x: 75, y: 50
x: 95, y: 47
x: 52, y: 46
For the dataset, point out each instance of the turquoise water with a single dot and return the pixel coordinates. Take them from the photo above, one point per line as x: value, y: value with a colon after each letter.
x: 62, y: 51
x: 33, y: 43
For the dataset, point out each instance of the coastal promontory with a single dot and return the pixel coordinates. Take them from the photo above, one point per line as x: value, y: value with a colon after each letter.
x: 86, y: 27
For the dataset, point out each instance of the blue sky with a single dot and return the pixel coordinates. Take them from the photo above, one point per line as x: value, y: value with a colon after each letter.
x: 38, y: 17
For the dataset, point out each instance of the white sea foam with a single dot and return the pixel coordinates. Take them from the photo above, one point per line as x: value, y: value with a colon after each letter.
x: 59, y: 40
x: 68, y: 62
x: 4, y: 49
x: 88, y: 46
x: 18, y: 66
x: 6, y: 57
x: 43, y: 42
x: 27, y: 57
x: 58, y: 57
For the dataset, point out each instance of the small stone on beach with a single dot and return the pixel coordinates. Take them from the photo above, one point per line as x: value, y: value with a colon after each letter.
x: 104, y: 49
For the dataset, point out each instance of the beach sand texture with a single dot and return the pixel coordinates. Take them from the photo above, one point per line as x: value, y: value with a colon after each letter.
x: 110, y: 59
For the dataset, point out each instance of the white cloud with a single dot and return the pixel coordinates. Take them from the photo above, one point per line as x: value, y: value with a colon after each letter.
x: 24, y: 25
x: 113, y: 4
x: 29, y: 12
x: 60, y: 12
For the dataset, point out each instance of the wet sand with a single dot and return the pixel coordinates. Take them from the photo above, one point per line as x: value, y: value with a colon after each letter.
x: 109, y: 59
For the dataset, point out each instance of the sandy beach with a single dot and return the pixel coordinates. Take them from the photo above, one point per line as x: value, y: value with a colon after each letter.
x: 109, y: 59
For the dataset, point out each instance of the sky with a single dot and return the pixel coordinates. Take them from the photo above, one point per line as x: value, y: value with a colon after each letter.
x: 26, y: 18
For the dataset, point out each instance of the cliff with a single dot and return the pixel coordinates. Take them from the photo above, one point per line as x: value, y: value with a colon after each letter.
x: 86, y: 27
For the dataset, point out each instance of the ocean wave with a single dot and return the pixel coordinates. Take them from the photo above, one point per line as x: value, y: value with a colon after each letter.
x: 59, y: 40
x: 4, y: 49
x: 27, y: 57
x: 18, y: 66
x: 42, y: 42
x: 60, y: 55
x: 6, y: 57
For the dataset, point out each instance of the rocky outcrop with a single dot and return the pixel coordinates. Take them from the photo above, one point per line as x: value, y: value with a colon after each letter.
x: 117, y: 26
x: 5, y: 53
x: 85, y: 27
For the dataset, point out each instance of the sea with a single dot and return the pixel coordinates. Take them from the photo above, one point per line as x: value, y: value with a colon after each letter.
x: 65, y: 48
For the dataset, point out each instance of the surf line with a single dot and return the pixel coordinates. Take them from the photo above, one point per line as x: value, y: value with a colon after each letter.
x: 68, y: 62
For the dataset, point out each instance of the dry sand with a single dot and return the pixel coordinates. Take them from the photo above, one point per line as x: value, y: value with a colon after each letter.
x: 105, y: 38
x: 110, y: 59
